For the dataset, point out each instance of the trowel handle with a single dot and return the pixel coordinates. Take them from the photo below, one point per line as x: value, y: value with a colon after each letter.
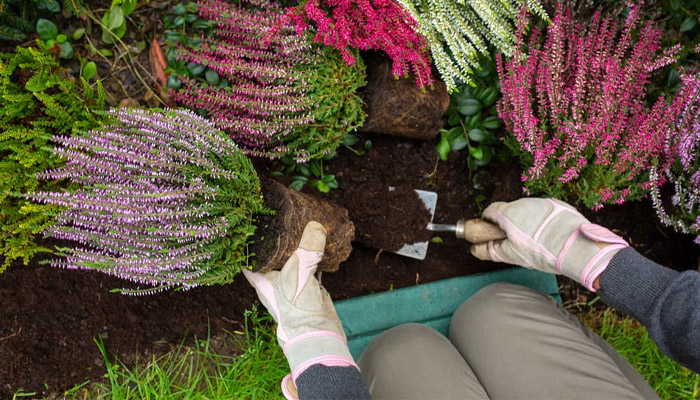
x: 474, y: 230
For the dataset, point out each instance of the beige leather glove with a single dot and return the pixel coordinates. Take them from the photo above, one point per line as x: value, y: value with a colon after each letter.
x: 308, y: 328
x: 544, y: 234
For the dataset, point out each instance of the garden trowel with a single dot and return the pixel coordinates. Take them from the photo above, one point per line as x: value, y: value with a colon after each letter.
x: 461, y: 229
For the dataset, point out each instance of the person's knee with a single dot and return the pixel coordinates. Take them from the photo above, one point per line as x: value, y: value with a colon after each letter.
x: 397, y: 340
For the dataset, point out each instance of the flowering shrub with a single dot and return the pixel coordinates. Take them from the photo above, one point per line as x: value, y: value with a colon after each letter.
x: 366, y: 24
x: 281, y: 96
x: 575, y: 104
x: 166, y: 200
x: 38, y: 99
x: 683, y: 146
x: 458, y: 31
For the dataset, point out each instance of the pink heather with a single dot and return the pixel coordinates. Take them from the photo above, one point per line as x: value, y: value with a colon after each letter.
x: 578, y: 97
x: 366, y: 25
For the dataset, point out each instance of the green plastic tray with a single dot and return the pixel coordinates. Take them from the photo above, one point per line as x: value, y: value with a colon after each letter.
x: 431, y: 304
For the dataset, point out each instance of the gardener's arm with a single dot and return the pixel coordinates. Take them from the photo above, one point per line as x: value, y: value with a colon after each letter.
x: 308, y: 328
x: 551, y: 236
x: 667, y: 302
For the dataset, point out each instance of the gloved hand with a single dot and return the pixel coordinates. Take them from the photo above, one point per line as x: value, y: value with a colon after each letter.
x: 545, y: 234
x: 308, y: 328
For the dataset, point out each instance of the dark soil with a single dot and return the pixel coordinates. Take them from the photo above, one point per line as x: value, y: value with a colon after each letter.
x: 386, y: 219
x: 50, y: 318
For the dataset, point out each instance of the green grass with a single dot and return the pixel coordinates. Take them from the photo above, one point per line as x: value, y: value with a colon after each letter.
x: 199, y: 372
x: 669, y: 379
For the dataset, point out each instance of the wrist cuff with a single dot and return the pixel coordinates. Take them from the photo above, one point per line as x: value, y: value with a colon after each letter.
x: 317, y: 347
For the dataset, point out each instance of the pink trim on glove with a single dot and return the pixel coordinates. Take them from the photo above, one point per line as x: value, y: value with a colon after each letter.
x: 328, y: 361
x: 493, y: 253
x: 587, y: 278
x: 308, y: 261
x: 310, y: 335
x: 556, y: 210
x: 599, y: 234
x: 565, y: 248
x: 285, y: 391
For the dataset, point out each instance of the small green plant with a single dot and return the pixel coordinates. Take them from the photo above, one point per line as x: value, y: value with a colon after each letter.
x: 17, y: 17
x: 38, y: 99
x: 197, y: 371
x: 311, y: 172
x: 114, y: 20
x: 472, y: 119
x: 48, y: 33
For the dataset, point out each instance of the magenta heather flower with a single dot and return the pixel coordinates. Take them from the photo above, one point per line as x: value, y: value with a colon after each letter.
x: 278, y: 88
x: 574, y: 101
x: 366, y: 25
x: 165, y: 200
x: 683, y: 148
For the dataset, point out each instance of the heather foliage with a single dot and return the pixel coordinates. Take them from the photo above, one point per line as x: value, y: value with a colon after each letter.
x: 575, y: 105
x: 366, y: 25
x: 459, y: 31
x: 683, y: 146
x: 282, y: 95
x: 38, y: 99
x: 166, y: 200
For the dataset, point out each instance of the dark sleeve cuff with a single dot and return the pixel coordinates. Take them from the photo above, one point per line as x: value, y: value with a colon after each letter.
x: 330, y: 383
x: 632, y: 283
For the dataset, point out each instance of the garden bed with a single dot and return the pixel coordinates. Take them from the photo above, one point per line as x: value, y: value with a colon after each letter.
x: 52, y: 317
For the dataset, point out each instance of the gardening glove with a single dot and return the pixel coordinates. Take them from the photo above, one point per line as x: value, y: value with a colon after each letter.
x: 545, y: 234
x: 308, y: 328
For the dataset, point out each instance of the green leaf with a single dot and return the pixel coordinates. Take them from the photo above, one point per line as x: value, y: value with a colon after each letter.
x: 66, y: 51
x: 476, y: 152
x: 36, y: 83
x: 350, y: 140
x: 78, y: 33
x: 297, y: 185
x: 477, y: 135
x: 688, y: 24
x: 315, y: 168
x: 212, y: 77
x: 61, y: 38
x: 473, y: 121
x: 46, y: 29
x: 490, y: 97
x: 179, y: 9
x: 443, y: 147
x: 195, y: 69
x: 179, y: 21
x: 303, y: 169
x: 202, y: 24
x: 492, y: 123
x: 368, y: 144
x: 453, y: 118
x: 128, y: 6
x: 459, y: 143
x: 276, y: 173
x: 174, y: 82
x: 454, y: 133
x: 480, y: 198
x: 89, y: 70
x: 300, y: 178
x: 470, y: 107
x: 115, y: 18
x: 436, y: 239
x: 330, y: 181
x: 106, y: 52
x: 190, y: 18
x: 485, y: 158
x: 322, y: 187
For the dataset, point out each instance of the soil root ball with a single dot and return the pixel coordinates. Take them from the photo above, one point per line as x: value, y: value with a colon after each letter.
x: 397, y: 107
x: 279, y: 235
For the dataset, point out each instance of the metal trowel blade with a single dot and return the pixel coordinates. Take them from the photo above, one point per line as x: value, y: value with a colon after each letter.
x: 419, y: 250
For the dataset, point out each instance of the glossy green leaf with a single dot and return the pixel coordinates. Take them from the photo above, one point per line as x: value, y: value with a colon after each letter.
x: 61, y: 38
x: 443, y: 147
x: 688, y: 24
x: 115, y: 18
x: 492, y: 123
x: 315, y: 168
x: 485, y: 159
x: 459, y: 143
x: 470, y: 107
x: 78, y: 33
x: 304, y: 170
x: 179, y: 21
x: 350, y: 140
x: 36, y: 83
x: 212, y: 77
x: 179, y: 9
x: 106, y: 52
x: 174, y: 82
x: 453, y: 118
x: 476, y: 152
x: 195, y: 69
x: 46, y: 29
x: 66, y: 51
x: 477, y: 135
x: 128, y: 6
x: 322, y: 187
x: 473, y: 121
x: 297, y: 185
x: 89, y: 70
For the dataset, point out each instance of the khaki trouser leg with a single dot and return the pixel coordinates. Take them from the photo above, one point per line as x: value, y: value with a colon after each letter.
x: 522, y: 345
x: 413, y: 361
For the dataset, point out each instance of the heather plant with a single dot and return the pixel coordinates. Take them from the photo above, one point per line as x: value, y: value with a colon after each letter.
x: 274, y: 97
x: 165, y: 200
x: 683, y: 146
x: 38, y: 99
x: 366, y: 25
x: 460, y: 31
x: 574, y: 102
